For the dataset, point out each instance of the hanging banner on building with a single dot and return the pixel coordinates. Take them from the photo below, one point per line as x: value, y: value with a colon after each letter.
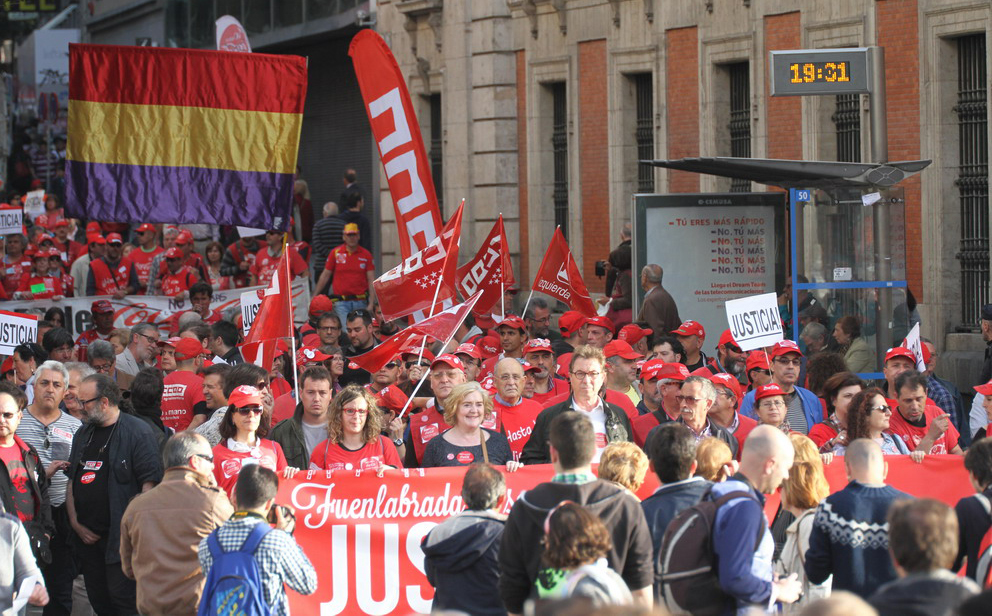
x: 755, y: 321
x: 16, y: 329
x: 363, y: 537
x: 11, y: 219
x: 397, y: 135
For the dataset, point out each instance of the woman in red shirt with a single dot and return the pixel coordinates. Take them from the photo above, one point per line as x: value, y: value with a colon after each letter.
x: 355, y: 441
x: 242, y: 432
x: 838, y: 392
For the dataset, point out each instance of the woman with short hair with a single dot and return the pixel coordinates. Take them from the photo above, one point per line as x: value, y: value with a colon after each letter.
x: 838, y: 392
x: 625, y: 464
x: 857, y: 354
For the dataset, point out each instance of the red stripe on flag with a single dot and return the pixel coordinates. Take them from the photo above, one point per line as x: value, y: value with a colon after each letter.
x: 187, y: 78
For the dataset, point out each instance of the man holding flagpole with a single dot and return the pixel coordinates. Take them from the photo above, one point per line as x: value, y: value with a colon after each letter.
x: 350, y: 270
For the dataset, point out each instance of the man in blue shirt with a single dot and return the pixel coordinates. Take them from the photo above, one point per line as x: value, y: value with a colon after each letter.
x: 804, y: 409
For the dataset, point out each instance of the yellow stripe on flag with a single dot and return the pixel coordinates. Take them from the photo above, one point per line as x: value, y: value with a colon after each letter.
x: 170, y: 136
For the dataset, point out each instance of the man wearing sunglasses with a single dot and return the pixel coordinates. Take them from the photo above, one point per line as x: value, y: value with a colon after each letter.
x: 388, y: 375
x: 804, y: 409
x: 729, y: 358
x: 161, y: 527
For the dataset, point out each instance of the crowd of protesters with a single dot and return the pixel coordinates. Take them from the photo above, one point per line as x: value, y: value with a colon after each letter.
x: 111, y: 437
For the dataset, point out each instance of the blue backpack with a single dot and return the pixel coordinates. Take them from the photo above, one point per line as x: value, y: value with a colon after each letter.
x: 234, y: 585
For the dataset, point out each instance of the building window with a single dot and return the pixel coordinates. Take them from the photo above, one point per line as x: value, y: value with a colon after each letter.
x: 437, y: 174
x: 740, y: 118
x: 973, y: 176
x: 847, y: 125
x: 559, y: 149
x: 644, y: 132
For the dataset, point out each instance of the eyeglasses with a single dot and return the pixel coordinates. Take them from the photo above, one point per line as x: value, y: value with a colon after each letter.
x: 773, y: 404
x: 353, y: 412
x: 204, y: 456
x: 151, y: 339
x: 733, y: 348
x: 785, y: 362
x: 687, y: 399
x: 762, y: 371
x: 885, y: 409
x: 104, y: 368
x: 391, y: 365
x: 584, y: 375
x: 541, y: 320
x: 85, y: 402
x: 411, y: 364
x: 246, y: 410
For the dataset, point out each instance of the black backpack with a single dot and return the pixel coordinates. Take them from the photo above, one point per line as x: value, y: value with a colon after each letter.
x: 686, y: 579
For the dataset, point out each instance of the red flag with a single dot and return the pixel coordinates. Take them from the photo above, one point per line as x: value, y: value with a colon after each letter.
x: 274, y: 319
x: 397, y: 134
x: 410, y: 286
x: 490, y: 271
x: 559, y: 277
x: 374, y: 360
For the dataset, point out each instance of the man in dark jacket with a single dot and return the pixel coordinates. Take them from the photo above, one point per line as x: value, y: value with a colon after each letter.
x: 587, y: 372
x: 302, y: 432
x: 353, y: 204
x: 461, y: 553
x: 572, y: 446
x: 114, y: 457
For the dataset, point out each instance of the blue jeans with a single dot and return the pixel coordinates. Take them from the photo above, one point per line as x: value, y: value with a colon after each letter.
x: 343, y: 307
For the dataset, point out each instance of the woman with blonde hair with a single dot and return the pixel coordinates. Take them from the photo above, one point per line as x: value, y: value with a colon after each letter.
x: 466, y: 442
x: 714, y: 460
x: 625, y: 464
x: 354, y: 436
x: 802, y: 492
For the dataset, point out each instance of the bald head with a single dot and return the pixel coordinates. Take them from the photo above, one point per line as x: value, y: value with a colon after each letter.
x: 865, y: 462
x: 765, y: 442
x: 767, y: 458
x: 509, y: 379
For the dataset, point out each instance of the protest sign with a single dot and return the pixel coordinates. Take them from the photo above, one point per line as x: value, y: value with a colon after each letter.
x: 251, y: 301
x: 11, y: 219
x: 34, y: 204
x: 755, y: 321
x: 15, y: 329
x: 913, y: 343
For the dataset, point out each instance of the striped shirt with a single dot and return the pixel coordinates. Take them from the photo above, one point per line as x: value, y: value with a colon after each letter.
x: 327, y: 235
x: 52, y: 442
x: 280, y: 559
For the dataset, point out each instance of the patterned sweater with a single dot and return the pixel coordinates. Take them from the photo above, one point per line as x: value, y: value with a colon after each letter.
x: 850, y: 539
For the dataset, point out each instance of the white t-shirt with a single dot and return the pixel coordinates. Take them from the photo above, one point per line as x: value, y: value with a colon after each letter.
x: 598, y: 418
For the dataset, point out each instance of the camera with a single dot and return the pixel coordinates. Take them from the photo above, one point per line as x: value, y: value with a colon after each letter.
x: 600, y: 269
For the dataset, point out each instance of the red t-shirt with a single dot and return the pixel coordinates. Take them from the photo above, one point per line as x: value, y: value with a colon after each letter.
x: 283, y: 408
x: 424, y: 426
x: 13, y: 271
x: 174, y: 284
x: 183, y: 390
x: 228, y: 463
x: 53, y: 286
x: 349, y: 270
x: 84, y: 340
x: 334, y: 457
x: 265, y: 265
x: 912, y: 435
x: 821, y: 433
x: 518, y: 422
x: 558, y: 387
x: 642, y: 425
x: 13, y: 458
x: 142, y: 263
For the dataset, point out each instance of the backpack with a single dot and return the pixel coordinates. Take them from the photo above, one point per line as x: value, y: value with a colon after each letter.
x: 234, y: 585
x: 983, y: 568
x: 686, y: 579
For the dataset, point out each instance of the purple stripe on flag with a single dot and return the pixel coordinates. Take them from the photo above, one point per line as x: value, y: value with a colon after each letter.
x: 181, y: 195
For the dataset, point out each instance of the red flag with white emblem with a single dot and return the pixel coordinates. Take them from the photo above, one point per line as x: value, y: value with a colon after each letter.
x: 490, y: 271
x: 559, y: 277
x: 274, y: 319
x: 426, y: 277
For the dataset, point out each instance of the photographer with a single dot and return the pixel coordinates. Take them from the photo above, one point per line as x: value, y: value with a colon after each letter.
x: 276, y: 554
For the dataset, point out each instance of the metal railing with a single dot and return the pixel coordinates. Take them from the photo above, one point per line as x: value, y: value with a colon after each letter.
x: 644, y: 131
x: 559, y: 148
x: 740, y: 118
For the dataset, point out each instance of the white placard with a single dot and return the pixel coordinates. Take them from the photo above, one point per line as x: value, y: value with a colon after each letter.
x: 11, y: 220
x: 34, y: 204
x: 870, y: 198
x: 16, y: 329
x: 249, y: 232
x: 913, y: 343
x: 250, y: 303
x: 843, y: 274
x: 755, y: 321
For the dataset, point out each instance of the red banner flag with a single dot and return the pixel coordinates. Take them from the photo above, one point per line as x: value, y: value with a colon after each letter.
x: 559, y: 277
x: 412, y: 286
x: 274, y: 319
x: 397, y: 134
x: 490, y: 271
x: 373, y: 361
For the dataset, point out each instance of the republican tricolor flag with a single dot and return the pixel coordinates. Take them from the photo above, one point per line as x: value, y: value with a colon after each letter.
x: 171, y: 135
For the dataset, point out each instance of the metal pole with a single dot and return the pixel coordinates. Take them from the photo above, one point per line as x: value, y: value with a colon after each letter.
x: 880, y: 212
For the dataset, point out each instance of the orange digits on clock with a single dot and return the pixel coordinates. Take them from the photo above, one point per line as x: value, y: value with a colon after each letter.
x: 809, y: 73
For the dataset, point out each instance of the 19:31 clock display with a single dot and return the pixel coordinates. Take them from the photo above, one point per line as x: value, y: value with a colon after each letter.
x: 811, y: 72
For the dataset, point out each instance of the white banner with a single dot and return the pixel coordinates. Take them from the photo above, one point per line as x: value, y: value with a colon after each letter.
x: 755, y: 321
x: 913, y: 343
x: 11, y: 220
x: 162, y: 311
x: 16, y: 329
x: 34, y: 204
x: 250, y: 303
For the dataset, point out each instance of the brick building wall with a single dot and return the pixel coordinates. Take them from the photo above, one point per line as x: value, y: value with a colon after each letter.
x: 682, y: 104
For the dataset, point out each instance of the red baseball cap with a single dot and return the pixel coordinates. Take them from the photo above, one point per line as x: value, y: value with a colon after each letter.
x: 320, y: 304
x: 469, y: 349
x: 188, y: 348
x: 673, y: 371
x: 632, y: 333
x: 604, y: 322
x: 307, y: 354
x: 900, y: 352
x: 784, y: 348
x: 101, y: 306
x: 485, y: 322
x: 93, y: 227
x: 391, y: 398
x: 727, y: 338
x: 651, y: 368
x: 281, y: 348
x: 54, y: 253
x: 570, y: 322
x: 513, y: 321
x: 926, y: 352
x: 756, y: 360
x: 690, y: 328
x: 184, y: 237
x: 767, y: 391
x: 620, y: 348
x: 702, y: 371
x: 114, y: 238
x: 62, y: 222
x: 174, y: 253
x: 413, y: 353
x: 95, y: 238
x: 489, y: 346
x: 985, y: 390
x: 244, y: 395
x: 7, y: 366
x: 728, y: 381
x: 529, y: 367
x: 37, y: 253
x: 538, y: 345
x: 44, y: 237
x: 450, y: 361
x: 171, y: 342
x: 145, y: 227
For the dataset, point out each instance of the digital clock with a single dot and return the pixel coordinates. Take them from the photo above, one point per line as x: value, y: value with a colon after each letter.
x: 819, y: 71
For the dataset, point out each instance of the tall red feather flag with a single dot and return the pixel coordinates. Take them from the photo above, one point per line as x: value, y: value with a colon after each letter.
x: 491, y: 271
x: 559, y: 277
x: 274, y: 319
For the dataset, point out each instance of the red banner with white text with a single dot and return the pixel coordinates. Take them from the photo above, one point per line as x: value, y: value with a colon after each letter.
x: 397, y: 134
x: 363, y: 534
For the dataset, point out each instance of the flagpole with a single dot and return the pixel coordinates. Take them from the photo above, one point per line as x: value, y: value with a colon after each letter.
x: 502, y: 299
x: 292, y: 322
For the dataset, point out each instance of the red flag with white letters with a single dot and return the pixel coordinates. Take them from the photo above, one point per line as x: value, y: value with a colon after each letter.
x: 490, y: 271
x: 410, y: 286
x: 559, y: 277
x: 397, y: 135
